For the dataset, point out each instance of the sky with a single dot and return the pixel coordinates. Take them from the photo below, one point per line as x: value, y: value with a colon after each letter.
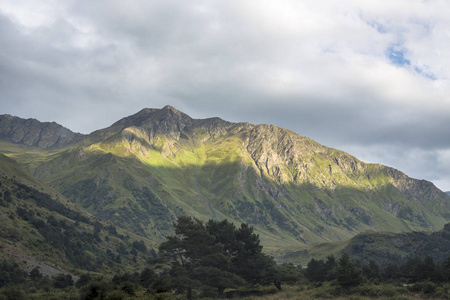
x: 371, y: 78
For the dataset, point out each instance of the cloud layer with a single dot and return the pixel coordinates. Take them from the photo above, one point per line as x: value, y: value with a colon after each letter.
x: 368, y: 78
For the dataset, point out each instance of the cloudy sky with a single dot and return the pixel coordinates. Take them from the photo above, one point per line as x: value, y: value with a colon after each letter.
x: 368, y: 77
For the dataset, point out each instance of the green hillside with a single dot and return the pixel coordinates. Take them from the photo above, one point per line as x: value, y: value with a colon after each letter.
x: 147, y: 169
x: 40, y: 228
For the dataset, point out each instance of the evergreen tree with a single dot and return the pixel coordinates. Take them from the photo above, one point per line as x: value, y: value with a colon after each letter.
x: 196, y: 259
x: 392, y: 272
x: 330, y: 268
x: 243, y: 248
x: 315, y: 270
x: 347, y: 273
x: 147, y: 277
x: 446, y: 269
x: 371, y: 271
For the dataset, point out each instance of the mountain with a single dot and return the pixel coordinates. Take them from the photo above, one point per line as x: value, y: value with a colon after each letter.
x: 40, y: 228
x: 31, y: 132
x: 146, y: 169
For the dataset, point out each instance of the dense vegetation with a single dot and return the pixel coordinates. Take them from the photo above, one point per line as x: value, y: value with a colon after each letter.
x: 420, y: 276
x: 217, y: 259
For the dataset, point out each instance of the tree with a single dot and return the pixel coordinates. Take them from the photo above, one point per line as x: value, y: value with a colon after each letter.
x: 243, y: 248
x: 371, y: 271
x: 61, y: 281
x: 196, y: 259
x: 35, y: 275
x: 83, y: 280
x: 315, y: 270
x: 392, y: 272
x: 330, y: 268
x: 96, y: 289
x: 289, y: 273
x: 347, y: 274
x: 147, y: 277
x: 446, y: 269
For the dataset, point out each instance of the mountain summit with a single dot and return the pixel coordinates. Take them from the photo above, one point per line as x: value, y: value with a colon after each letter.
x: 146, y: 169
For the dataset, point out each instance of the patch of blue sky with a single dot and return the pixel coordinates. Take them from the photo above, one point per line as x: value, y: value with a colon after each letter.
x: 424, y: 73
x: 397, y: 57
x: 378, y: 26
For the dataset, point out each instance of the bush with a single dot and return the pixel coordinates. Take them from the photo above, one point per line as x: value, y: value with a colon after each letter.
x: 97, y: 289
x: 62, y: 281
x: 115, y: 295
x: 368, y: 289
x: 443, y: 292
x: 252, y: 291
x: 13, y: 292
x: 84, y: 280
x: 388, y: 290
x: 426, y: 287
x: 128, y: 287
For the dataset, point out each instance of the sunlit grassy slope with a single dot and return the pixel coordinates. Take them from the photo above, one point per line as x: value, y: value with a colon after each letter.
x: 147, y: 169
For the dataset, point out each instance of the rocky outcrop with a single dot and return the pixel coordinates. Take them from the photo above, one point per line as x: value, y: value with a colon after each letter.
x: 31, y: 132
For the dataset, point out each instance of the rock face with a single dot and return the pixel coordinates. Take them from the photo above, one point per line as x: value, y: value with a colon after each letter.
x: 31, y: 132
x: 146, y: 169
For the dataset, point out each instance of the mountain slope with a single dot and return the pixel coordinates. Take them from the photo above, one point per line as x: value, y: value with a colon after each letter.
x: 148, y: 168
x: 40, y: 228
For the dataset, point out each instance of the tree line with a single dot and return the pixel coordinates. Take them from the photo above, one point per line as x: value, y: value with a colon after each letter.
x: 219, y: 259
x: 350, y: 273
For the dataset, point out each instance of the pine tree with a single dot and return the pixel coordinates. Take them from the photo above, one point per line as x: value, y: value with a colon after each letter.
x: 347, y: 273
x: 196, y: 259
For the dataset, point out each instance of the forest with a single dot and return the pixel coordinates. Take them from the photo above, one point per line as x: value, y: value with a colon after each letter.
x: 216, y: 259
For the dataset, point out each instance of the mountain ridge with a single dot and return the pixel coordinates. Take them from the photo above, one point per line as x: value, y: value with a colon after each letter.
x: 148, y: 168
x: 32, y: 132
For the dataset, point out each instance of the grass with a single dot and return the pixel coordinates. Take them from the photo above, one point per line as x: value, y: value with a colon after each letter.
x: 330, y: 291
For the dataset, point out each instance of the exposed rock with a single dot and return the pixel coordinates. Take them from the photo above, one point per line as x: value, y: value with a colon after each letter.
x: 31, y: 132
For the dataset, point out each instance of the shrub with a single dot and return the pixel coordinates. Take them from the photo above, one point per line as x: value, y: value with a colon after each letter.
x: 61, y: 281
x: 426, y: 287
x: 388, y: 290
x: 13, y: 292
x: 128, y: 287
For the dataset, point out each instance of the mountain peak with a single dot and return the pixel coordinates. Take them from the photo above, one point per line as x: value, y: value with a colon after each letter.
x: 171, y: 108
x: 32, y: 132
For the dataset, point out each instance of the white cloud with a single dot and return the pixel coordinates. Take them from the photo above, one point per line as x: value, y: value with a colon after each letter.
x: 321, y: 68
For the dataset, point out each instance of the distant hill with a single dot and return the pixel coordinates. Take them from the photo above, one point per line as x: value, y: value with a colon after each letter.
x: 146, y: 169
x: 386, y: 248
x: 381, y: 247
